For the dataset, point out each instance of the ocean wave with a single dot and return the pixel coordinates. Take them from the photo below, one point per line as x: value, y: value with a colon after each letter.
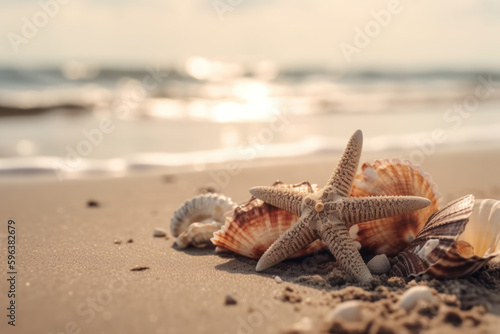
x: 178, y: 95
x: 404, y: 145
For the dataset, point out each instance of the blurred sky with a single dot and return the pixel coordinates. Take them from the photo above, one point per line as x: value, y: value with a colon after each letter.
x: 454, y: 34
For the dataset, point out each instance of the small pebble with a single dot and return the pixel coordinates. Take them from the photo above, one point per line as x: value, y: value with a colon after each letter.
x: 230, y: 300
x: 158, y: 232
x: 93, y: 204
x: 169, y: 178
x: 129, y: 241
x: 379, y: 264
x: 278, y: 279
x: 139, y: 268
x: 410, y: 298
x: 349, y: 311
x: 117, y: 242
x: 222, y: 250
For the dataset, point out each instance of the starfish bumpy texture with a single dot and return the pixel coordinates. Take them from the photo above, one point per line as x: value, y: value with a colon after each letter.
x: 329, y: 213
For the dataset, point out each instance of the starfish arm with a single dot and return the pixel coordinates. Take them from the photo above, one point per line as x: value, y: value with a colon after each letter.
x: 294, y: 239
x: 343, y: 176
x: 336, y: 236
x: 283, y: 198
x: 355, y: 210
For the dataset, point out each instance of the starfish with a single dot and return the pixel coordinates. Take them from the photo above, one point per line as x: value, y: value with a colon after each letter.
x: 329, y: 213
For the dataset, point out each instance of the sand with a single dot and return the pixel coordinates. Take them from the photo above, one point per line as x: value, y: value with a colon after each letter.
x: 74, y: 261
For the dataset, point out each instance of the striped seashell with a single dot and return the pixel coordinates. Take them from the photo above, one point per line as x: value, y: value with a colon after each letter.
x: 455, y: 242
x: 255, y: 225
x: 392, y: 177
x: 208, y: 209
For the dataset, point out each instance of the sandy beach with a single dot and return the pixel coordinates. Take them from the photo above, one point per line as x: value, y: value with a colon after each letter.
x: 114, y: 114
x: 74, y: 261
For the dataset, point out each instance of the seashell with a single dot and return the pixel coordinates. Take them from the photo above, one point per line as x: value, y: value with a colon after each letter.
x: 208, y: 209
x: 303, y: 326
x: 198, y: 234
x: 482, y: 232
x: 392, y: 177
x: 411, y: 296
x: 455, y: 242
x: 256, y: 225
x: 351, y: 311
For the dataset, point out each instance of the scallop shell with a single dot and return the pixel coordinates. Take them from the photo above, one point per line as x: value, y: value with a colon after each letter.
x: 455, y: 242
x: 393, y: 177
x: 256, y: 225
x: 208, y: 209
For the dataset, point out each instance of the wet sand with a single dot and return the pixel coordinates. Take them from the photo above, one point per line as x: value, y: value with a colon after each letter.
x: 74, y: 261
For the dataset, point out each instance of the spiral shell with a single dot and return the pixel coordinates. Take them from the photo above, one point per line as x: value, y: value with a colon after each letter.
x: 196, y: 220
x: 198, y: 234
x: 256, y: 225
x: 455, y: 242
x: 392, y: 177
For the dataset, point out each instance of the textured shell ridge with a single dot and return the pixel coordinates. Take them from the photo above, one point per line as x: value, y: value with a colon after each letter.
x: 199, y: 208
x: 484, y: 229
x: 187, y: 223
x: 447, y: 226
x: 393, y: 177
x: 255, y: 225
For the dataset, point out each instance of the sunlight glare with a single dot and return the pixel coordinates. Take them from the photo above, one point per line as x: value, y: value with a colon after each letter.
x: 251, y: 91
x: 199, y: 68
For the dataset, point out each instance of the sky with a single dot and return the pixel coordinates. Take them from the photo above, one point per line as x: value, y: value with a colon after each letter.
x: 416, y: 34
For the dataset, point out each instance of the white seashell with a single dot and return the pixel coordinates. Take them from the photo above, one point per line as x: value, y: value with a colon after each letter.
x: 278, y: 279
x: 411, y: 296
x: 482, y: 231
x: 209, y: 209
x: 158, y: 232
x: 348, y: 311
x: 199, y: 208
x: 379, y: 264
x: 304, y: 325
x: 198, y: 234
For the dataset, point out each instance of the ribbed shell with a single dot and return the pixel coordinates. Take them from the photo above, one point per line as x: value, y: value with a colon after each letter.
x: 256, y: 225
x: 483, y: 230
x: 201, y: 208
x: 393, y: 177
x: 462, y: 226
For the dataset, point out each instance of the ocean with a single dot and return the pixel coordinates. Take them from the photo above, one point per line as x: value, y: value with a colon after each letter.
x: 79, y: 119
